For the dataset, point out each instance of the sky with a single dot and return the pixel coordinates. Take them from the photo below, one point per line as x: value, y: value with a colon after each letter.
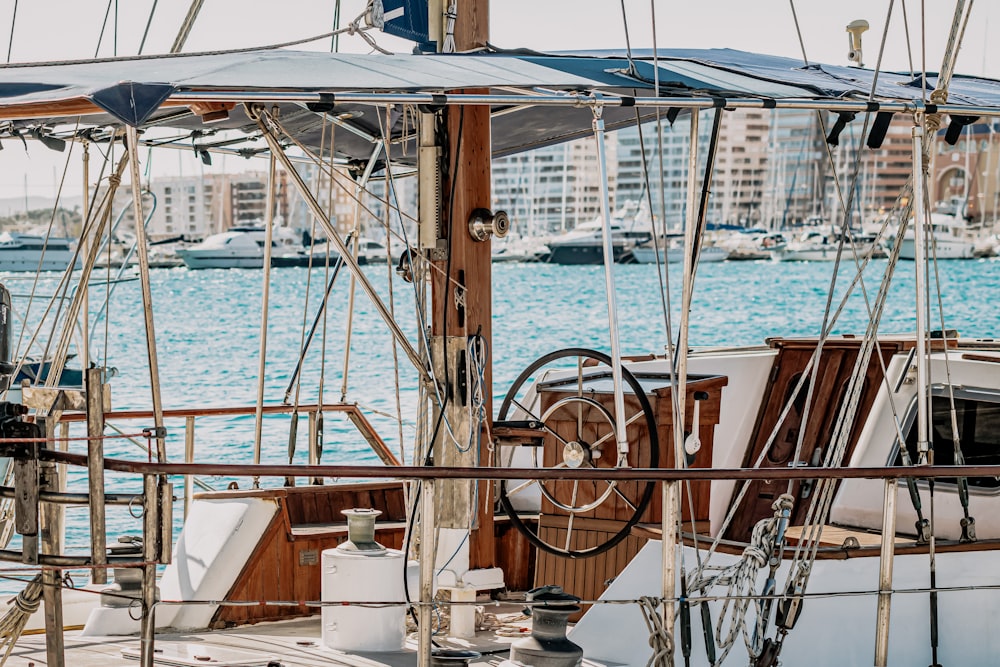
x: 764, y: 26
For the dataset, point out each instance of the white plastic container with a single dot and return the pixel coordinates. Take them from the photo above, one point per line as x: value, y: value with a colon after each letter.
x: 352, y: 577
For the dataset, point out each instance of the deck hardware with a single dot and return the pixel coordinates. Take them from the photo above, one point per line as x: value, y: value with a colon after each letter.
x: 443, y: 657
x: 361, y: 532
x: 856, y: 29
x: 154, y: 432
x: 923, y: 531
x: 484, y: 224
x: 548, y: 644
x: 968, y: 530
x: 850, y: 542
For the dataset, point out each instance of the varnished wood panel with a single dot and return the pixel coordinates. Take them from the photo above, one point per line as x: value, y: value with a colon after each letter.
x: 833, y: 372
x: 585, y: 578
x: 286, y: 565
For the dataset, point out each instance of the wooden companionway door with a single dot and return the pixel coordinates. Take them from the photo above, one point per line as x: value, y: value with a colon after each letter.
x: 835, y: 366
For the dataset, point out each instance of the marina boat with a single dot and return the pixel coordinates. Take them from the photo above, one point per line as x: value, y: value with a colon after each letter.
x: 28, y: 252
x: 816, y: 246
x: 518, y: 249
x: 674, y: 254
x: 584, y: 244
x: 370, y: 251
x: 790, y: 503
x: 752, y: 245
x: 238, y: 248
x: 948, y: 235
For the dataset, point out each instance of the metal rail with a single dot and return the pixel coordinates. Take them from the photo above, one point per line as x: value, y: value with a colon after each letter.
x: 353, y: 412
x: 572, y: 100
x: 588, y: 474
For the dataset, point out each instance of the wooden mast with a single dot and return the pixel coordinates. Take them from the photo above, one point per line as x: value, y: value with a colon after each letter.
x: 466, y: 187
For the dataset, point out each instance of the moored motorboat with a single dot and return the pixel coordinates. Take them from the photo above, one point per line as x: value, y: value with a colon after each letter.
x: 238, y: 248
x: 30, y: 252
x: 584, y: 244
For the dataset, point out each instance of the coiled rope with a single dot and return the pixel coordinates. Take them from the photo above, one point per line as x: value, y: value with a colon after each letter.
x: 24, y: 604
x: 739, y: 580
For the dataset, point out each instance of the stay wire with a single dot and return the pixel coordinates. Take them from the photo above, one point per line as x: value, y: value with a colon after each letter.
x: 104, y: 25
x: 13, y: 22
x: 149, y: 22
x: 798, y: 31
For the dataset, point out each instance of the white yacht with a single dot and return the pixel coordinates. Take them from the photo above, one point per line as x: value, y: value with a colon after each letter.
x: 818, y: 246
x: 29, y: 252
x: 238, y: 248
x: 631, y: 226
x: 673, y: 253
x: 950, y: 234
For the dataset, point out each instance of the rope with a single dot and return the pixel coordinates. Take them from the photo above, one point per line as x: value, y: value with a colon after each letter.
x: 24, y: 604
x: 739, y: 580
x: 660, y: 639
x: 448, y: 46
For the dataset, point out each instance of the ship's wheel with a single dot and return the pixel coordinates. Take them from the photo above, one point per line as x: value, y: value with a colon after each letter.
x: 560, y: 413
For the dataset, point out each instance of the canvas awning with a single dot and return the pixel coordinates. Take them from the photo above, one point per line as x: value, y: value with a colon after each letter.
x: 158, y: 90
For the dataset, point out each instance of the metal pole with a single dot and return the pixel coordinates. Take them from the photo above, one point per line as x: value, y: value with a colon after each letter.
x: 885, y: 573
x: 266, y: 293
x: 151, y: 484
x: 95, y: 473
x: 349, y: 260
x: 681, y: 353
x: 359, y: 189
x: 85, y: 302
x: 919, y: 257
x: 188, y: 458
x: 426, y: 572
x: 609, y: 284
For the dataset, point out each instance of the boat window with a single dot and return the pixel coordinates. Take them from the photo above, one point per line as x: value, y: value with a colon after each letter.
x: 977, y: 414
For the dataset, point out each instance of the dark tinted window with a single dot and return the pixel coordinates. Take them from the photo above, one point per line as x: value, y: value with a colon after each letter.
x: 978, y: 434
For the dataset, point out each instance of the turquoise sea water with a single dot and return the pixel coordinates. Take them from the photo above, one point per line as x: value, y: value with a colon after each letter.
x: 208, y: 338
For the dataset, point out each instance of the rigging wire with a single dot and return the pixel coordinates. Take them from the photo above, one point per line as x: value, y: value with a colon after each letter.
x: 798, y: 31
x: 389, y: 195
x: 149, y: 22
x: 906, y: 30
x: 104, y: 25
x: 13, y: 22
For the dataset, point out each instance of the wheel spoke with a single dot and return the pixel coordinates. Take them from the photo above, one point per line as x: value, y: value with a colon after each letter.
x: 628, y: 502
x: 610, y: 434
x: 520, y: 487
x: 579, y: 394
x: 572, y: 515
x: 544, y: 425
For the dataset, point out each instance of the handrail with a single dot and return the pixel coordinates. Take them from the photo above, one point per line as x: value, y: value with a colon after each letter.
x: 352, y: 411
x: 582, y: 474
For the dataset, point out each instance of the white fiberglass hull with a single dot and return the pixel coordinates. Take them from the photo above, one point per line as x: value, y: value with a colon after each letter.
x: 826, y: 253
x: 836, y: 629
x: 647, y: 255
x: 943, y: 249
x: 214, y: 259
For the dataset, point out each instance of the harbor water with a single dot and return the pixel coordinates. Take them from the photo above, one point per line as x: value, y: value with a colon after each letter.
x: 208, y: 327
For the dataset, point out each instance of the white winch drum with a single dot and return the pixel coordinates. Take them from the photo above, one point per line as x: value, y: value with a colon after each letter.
x: 352, y: 577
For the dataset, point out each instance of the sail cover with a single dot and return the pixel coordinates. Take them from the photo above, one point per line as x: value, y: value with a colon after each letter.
x: 147, y: 91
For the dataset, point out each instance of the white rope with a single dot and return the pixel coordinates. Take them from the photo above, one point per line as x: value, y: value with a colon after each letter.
x: 660, y: 639
x: 739, y: 580
x: 22, y: 607
x: 448, y: 45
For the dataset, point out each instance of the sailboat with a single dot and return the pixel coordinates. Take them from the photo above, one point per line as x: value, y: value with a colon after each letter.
x: 789, y: 502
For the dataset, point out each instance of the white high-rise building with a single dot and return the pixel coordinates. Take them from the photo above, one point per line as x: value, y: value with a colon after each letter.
x: 554, y: 188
